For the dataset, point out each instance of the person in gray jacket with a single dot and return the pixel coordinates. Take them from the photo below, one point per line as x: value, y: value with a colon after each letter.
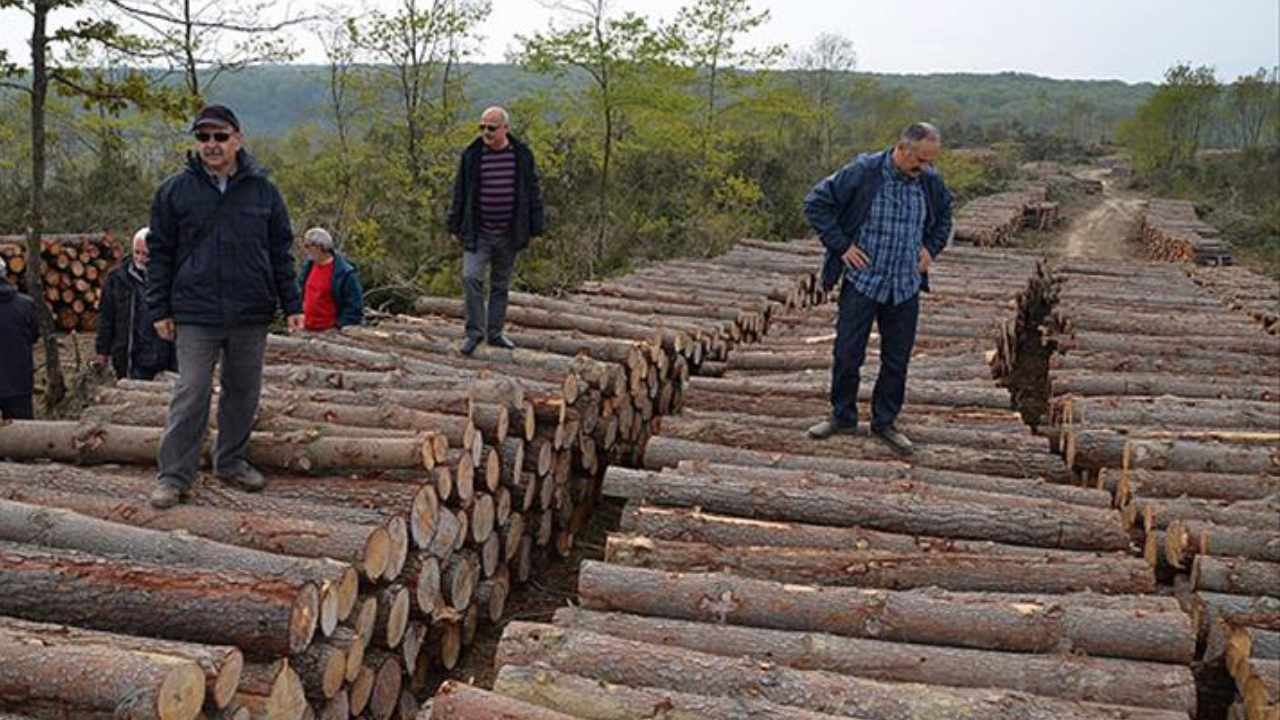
x: 221, y: 267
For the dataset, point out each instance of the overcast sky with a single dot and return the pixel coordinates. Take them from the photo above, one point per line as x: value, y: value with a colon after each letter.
x: 1131, y: 40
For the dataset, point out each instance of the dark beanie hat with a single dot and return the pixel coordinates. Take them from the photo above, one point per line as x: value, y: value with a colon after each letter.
x: 216, y: 115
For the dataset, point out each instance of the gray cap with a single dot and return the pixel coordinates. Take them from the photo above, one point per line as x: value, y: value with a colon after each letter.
x: 318, y: 237
x: 3, y: 267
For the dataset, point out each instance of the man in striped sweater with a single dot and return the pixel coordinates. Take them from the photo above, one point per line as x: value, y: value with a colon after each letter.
x: 496, y: 211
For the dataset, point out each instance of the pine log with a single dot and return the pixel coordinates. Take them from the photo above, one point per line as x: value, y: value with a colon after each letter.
x: 1259, y: 683
x: 1070, y: 677
x: 385, y: 694
x: 272, y: 691
x: 1210, y: 486
x: 459, y: 701
x: 53, y: 527
x: 321, y: 669
x: 586, y: 698
x: 221, y: 665
x: 628, y: 662
x: 985, y: 516
x: 97, y: 680
x: 261, y: 616
x: 1157, y: 514
x: 1236, y: 576
x: 1206, y: 608
x: 1133, y: 627
x: 394, y: 603
x: 1056, y: 573
x: 1202, y: 456
x: 1091, y: 383
x: 1166, y: 411
x: 1203, y: 538
x: 367, y: 548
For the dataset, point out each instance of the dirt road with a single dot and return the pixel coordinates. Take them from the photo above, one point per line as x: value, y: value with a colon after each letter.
x: 1108, y: 229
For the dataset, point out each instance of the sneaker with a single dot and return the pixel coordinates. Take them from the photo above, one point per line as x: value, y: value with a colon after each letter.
x: 827, y: 428
x: 502, y: 341
x: 894, y: 438
x: 248, y: 480
x: 469, y: 345
x: 165, y: 496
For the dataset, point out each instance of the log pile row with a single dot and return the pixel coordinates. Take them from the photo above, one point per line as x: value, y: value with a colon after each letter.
x: 1167, y: 399
x: 75, y: 268
x: 992, y: 220
x: 409, y: 487
x: 1244, y: 291
x: 1172, y: 232
x: 759, y: 573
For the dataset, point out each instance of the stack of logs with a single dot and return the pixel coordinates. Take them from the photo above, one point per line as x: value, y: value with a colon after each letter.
x: 1168, y: 400
x: 1171, y: 231
x: 436, y: 482
x: 1244, y: 291
x: 992, y: 220
x: 75, y: 268
x: 760, y: 573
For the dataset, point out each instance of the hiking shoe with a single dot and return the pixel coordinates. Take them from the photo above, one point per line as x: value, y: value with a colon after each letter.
x: 469, y: 345
x: 502, y: 341
x: 828, y: 427
x: 894, y: 438
x: 165, y: 496
x: 248, y: 480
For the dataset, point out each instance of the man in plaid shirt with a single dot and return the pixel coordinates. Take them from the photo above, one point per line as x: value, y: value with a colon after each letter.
x: 883, y: 219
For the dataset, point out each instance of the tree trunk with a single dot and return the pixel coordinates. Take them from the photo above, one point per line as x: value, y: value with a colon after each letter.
x: 273, y: 691
x: 1020, y: 521
x: 926, y: 392
x: 635, y: 663
x: 96, y: 680
x: 1188, y: 538
x: 459, y: 701
x: 1091, y: 383
x: 385, y: 695
x: 1136, y: 627
x: 1257, y: 514
x: 1236, y: 576
x: 321, y: 670
x: 263, y: 617
x: 1174, y: 412
x: 1199, y: 456
x: 1070, y: 677
x: 367, y: 548
x: 1209, y: 486
x: 583, y: 697
x: 1055, y: 573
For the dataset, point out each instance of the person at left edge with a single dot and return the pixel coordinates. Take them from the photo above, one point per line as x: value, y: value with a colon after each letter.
x: 221, y: 267
x: 18, y: 334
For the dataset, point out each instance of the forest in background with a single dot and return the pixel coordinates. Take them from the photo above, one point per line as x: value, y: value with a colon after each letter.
x: 654, y: 140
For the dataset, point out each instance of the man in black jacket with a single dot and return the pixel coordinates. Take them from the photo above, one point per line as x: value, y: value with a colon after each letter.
x: 221, y: 266
x: 496, y: 211
x: 18, y: 334
x: 125, y: 336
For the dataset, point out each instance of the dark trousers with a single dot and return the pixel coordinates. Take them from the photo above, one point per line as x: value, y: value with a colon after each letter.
x: 897, y: 324
x: 17, y: 407
x: 496, y: 252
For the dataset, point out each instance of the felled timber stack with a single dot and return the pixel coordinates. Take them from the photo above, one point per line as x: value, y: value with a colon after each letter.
x: 992, y: 220
x: 1243, y: 291
x: 1167, y: 399
x: 74, y: 270
x: 1172, y: 232
x: 759, y: 573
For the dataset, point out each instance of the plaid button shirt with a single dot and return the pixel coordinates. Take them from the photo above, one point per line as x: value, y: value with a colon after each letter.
x: 891, y: 238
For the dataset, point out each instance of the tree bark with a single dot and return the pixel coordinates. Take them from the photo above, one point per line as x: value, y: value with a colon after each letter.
x: 1070, y: 677
x: 1136, y: 627
x: 1236, y: 576
x: 1196, y: 456
x: 635, y: 663
x: 1174, y: 412
x: 1188, y: 538
x: 983, y: 516
x: 96, y: 680
x: 1056, y: 573
x: 1092, y: 383
x: 583, y: 697
x: 273, y: 691
x: 263, y: 617
x: 1209, y: 486
x: 459, y: 701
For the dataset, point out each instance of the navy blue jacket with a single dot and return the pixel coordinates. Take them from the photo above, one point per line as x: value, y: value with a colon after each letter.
x: 348, y: 294
x: 221, y: 259
x: 125, y: 332
x: 839, y: 205
x: 19, y: 331
x: 464, y: 210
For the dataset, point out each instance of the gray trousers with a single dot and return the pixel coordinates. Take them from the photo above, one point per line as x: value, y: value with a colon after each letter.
x: 496, y: 252
x: 199, y: 349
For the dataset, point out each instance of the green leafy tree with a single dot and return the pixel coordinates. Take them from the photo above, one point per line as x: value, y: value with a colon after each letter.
x: 1167, y: 131
x: 824, y: 72
x: 1253, y: 104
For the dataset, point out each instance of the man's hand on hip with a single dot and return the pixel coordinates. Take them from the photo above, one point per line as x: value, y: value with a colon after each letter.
x: 166, y: 329
x: 925, y: 260
x: 295, y: 323
x: 854, y: 257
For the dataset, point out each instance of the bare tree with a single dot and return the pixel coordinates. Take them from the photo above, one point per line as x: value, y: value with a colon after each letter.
x: 825, y: 66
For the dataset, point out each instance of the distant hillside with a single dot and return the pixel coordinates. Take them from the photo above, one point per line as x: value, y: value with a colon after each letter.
x: 273, y: 99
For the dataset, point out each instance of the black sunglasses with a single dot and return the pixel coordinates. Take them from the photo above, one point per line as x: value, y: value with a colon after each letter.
x: 205, y: 137
x: 489, y: 128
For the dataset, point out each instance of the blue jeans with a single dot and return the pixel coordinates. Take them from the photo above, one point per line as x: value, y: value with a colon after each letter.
x: 897, y: 325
